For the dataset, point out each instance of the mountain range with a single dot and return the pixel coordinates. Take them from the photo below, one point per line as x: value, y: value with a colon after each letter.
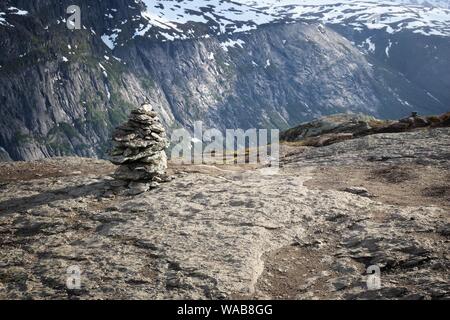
x: 230, y: 64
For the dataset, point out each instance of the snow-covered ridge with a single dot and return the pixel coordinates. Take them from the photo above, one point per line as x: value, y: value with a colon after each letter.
x: 224, y: 15
x: 424, y: 3
x: 425, y: 17
x: 167, y: 20
x: 435, y: 3
x: 184, y: 19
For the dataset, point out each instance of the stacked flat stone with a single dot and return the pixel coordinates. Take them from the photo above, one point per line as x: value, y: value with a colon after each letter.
x: 139, y: 150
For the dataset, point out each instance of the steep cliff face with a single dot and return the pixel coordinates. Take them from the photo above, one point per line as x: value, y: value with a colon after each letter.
x: 62, y: 91
x: 275, y: 76
x: 421, y: 60
x: 409, y: 37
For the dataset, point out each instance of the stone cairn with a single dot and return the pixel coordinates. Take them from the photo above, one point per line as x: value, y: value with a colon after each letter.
x: 139, y: 151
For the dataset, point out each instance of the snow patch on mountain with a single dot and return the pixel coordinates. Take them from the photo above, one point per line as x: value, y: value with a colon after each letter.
x: 10, y: 11
x: 2, y: 20
x: 14, y: 10
x: 231, y: 44
x: 109, y: 40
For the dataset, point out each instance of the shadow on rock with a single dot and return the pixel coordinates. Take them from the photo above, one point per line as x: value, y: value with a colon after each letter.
x: 97, y: 189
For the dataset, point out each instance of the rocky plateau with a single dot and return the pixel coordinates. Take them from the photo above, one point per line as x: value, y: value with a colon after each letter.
x: 224, y: 232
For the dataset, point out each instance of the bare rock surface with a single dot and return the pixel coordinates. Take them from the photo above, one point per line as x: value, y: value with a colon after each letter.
x: 340, y: 127
x: 4, y: 156
x: 231, y: 232
x: 424, y: 146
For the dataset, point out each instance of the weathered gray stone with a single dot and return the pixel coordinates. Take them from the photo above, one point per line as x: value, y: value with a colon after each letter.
x: 140, y: 151
x: 136, y: 188
x: 198, y: 237
x: 4, y: 156
x: 363, y: 192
